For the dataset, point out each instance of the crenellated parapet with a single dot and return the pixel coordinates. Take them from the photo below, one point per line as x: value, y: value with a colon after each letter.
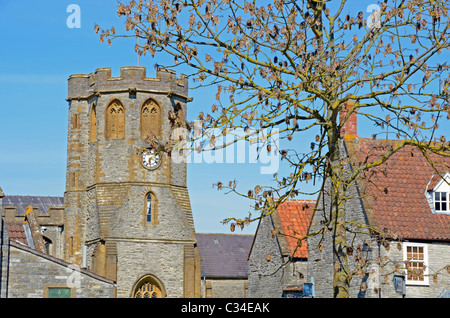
x: 132, y: 79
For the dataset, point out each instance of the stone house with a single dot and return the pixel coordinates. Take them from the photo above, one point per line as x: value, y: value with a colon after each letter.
x: 279, y: 254
x: 406, y: 201
x: 28, y: 266
x: 224, y: 264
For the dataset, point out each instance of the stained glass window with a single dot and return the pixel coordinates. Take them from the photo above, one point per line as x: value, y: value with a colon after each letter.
x: 148, y: 289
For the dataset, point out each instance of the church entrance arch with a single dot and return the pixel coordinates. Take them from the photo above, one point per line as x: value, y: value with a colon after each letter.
x: 148, y: 286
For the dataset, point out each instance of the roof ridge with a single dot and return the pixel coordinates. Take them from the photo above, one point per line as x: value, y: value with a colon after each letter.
x: 298, y: 200
x: 35, y: 196
x: 230, y: 234
x: 59, y: 261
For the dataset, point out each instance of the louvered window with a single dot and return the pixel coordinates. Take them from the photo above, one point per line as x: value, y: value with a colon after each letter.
x: 115, y: 120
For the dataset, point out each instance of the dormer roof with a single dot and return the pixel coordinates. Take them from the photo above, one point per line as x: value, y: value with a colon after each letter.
x: 394, y: 194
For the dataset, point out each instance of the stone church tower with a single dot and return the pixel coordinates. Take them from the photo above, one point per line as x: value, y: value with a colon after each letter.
x: 127, y: 210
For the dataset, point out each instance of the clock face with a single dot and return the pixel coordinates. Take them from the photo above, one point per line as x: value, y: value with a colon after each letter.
x: 150, y: 158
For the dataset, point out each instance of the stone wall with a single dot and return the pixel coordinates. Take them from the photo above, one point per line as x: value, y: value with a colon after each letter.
x: 321, y: 258
x: 224, y: 288
x: 31, y: 273
x: 264, y: 276
x: 270, y: 271
x: 438, y: 274
x: 4, y: 256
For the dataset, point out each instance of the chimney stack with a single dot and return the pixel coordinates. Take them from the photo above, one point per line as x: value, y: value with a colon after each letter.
x: 349, y: 128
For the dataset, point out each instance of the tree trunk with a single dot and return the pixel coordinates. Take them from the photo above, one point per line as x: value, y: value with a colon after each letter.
x: 341, y: 277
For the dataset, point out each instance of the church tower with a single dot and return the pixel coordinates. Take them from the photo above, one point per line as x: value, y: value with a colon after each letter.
x: 127, y: 210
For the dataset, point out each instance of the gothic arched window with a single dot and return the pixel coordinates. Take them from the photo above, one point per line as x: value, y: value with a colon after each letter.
x: 150, y: 209
x: 93, y: 125
x: 150, y: 119
x: 179, y: 114
x: 148, y: 287
x: 115, y: 120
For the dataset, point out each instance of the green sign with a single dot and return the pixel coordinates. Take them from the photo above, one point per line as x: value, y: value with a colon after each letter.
x: 59, y: 293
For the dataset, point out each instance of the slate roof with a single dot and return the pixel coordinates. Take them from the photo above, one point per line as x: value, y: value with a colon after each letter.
x: 224, y: 255
x: 294, y: 217
x: 22, y: 202
x: 445, y: 293
x: 394, y: 193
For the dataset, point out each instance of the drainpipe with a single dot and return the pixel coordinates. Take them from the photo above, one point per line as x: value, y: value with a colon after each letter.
x: 84, y: 263
x: 379, y: 269
x: 60, y: 243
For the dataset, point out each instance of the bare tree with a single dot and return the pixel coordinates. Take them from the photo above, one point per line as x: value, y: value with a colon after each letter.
x: 293, y: 66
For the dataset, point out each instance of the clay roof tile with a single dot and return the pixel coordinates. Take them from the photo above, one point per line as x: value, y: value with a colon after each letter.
x: 395, y: 192
x: 294, y: 217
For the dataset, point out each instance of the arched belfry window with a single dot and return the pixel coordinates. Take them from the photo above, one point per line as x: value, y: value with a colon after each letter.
x: 179, y: 113
x: 150, y: 119
x: 150, y: 209
x: 115, y: 120
x: 148, y: 287
x: 93, y: 124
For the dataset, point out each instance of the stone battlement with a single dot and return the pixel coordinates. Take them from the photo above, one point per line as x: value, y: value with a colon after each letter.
x: 132, y: 78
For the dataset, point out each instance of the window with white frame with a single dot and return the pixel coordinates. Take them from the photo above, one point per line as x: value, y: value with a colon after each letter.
x: 441, y: 201
x: 441, y: 196
x: 415, y: 257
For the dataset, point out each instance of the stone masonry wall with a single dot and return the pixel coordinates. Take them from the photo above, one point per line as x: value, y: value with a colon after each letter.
x: 269, y: 278
x: 264, y: 278
x: 224, y: 288
x: 438, y: 276
x: 321, y: 258
x: 159, y: 259
x: 30, y: 272
x: 4, y: 256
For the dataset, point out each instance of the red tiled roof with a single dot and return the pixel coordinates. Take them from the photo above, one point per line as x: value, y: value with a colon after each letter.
x: 17, y: 232
x: 294, y: 217
x: 394, y: 193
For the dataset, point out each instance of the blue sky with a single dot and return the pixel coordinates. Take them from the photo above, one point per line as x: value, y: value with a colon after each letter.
x: 38, y: 52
